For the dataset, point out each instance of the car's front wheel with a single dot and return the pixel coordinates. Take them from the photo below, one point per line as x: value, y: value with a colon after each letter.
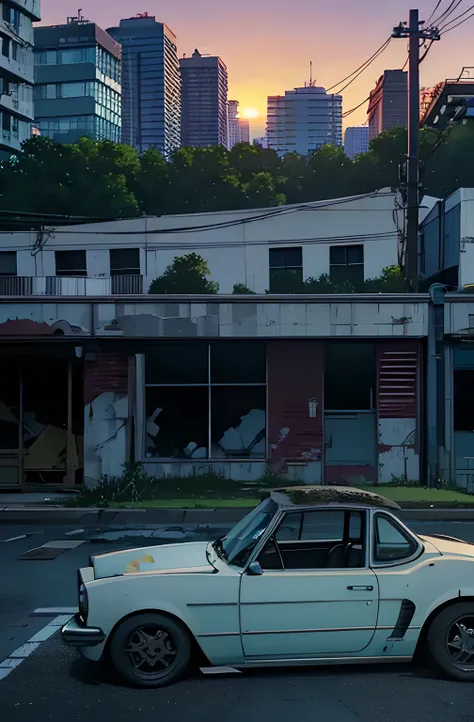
x: 150, y: 650
x: 451, y: 642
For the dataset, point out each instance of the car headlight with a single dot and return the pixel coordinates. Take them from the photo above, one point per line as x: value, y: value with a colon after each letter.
x: 83, y: 601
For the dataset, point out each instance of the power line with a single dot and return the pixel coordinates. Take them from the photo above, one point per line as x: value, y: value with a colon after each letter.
x: 352, y: 110
x: 434, y: 11
x: 362, y: 67
x: 458, y: 17
x: 458, y: 24
x: 452, y: 7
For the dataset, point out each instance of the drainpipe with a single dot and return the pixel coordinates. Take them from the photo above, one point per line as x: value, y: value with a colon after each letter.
x: 435, y: 383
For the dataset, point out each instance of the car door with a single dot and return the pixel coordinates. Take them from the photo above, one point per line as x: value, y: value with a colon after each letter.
x: 317, y: 610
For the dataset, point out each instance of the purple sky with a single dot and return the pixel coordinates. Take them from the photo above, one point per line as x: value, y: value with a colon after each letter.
x: 267, y: 50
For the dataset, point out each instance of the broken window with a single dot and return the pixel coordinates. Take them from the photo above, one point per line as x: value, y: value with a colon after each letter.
x: 10, y: 395
x: 206, y: 400
x: 286, y: 269
x: 177, y: 425
x: 71, y: 263
x: 464, y: 400
x: 350, y: 377
x: 346, y: 264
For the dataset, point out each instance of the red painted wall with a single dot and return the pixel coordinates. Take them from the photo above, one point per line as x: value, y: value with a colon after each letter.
x: 295, y: 375
x: 108, y: 372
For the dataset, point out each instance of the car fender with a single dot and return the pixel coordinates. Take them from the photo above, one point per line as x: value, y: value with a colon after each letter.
x: 457, y: 594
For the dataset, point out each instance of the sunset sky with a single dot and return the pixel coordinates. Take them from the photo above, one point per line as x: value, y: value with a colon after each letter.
x: 267, y: 45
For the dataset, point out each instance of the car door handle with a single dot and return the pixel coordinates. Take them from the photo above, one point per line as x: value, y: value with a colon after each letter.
x: 360, y: 589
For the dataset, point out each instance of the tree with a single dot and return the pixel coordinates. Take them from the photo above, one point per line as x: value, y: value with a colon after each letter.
x: 187, y: 274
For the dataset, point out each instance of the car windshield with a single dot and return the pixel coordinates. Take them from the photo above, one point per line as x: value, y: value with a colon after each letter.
x: 237, y: 546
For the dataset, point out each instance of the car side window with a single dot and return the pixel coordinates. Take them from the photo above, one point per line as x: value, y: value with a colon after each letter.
x: 391, y: 543
x: 317, y: 539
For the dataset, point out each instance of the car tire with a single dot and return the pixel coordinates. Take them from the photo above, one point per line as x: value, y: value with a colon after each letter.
x: 449, y: 642
x: 150, y: 650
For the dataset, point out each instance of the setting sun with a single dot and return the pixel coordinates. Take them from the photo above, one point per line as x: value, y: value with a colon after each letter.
x: 250, y: 113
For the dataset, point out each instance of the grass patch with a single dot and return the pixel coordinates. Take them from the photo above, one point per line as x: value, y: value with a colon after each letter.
x: 187, y: 504
x: 419, y: 494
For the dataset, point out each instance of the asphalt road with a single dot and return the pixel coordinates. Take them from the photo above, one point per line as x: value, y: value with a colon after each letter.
x: 54, y: 684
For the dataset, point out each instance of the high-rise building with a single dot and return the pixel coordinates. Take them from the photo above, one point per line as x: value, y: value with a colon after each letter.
x: 16, y: 73
x: 261, y: 142
x: 151, y: 85
x: 356, y: 140
x: 388, y: 103
x: 303, y: 120
x: 244, y: 124
x: 77, y: 82
x: 233, y: 127
x: 204, y: 85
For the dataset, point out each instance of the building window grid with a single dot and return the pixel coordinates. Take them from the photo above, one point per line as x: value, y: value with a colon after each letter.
x: 210, y: 385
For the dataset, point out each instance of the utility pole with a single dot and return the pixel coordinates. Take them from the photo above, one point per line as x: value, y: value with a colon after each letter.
x: 414, y: 33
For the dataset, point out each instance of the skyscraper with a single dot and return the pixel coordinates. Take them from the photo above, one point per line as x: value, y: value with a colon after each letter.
x: 77, y: 82
x: 388, y: 103
x: 233, y: 127
x: 151, y: 86
x: 204, y: 84
x: 16, y: 73
x: 244, y: 124
x: 356, y: 140
x: 303, y: 120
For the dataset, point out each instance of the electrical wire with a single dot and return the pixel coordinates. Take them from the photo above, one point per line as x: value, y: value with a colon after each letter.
x: 363, y: 66
x: 458, y: 24
x: 452, y: 7
x: 434, y: 11
x: 445, y: 28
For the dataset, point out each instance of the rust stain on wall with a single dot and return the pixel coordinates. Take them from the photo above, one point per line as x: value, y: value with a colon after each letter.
x: 109, y: 372
x: 295, y: 401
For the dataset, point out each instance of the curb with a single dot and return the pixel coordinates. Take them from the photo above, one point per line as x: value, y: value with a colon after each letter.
x: 208, y: 517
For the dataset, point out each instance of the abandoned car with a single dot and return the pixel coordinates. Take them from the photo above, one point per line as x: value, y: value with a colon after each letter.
x: 312, y: 575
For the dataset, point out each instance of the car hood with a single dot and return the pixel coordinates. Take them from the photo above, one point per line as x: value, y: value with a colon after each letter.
x: 179, y: 558
x: 448, y: 545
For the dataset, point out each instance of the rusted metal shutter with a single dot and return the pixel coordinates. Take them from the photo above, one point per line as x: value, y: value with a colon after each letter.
x: 397, y: 377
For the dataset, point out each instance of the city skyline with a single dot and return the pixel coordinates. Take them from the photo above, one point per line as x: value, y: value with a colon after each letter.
x: 249, y: 40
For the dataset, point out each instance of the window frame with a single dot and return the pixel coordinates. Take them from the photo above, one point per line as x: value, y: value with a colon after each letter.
x: 287, y: 267
x: 345, y: 248
x: 210, y: 385
x: 418, y: 546
x: 271, y: 537
x: 73, y: 274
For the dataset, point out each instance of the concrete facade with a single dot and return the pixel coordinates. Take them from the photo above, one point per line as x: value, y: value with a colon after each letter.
x: 272, y: 408
x: 303, y: 120
x: 16, y: 73
x: 356, y: 140
x: 240, y: 247
x: 204, y: 85
x: 388, y: 103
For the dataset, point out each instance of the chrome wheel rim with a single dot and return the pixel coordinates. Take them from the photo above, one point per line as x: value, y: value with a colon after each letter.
x: 460, y: 644
x: 150, y: 651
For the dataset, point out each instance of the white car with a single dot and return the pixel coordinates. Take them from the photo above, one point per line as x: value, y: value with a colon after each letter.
x: 313, y: 575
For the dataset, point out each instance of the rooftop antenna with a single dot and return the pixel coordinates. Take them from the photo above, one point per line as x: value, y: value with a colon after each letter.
x: 311, y: 81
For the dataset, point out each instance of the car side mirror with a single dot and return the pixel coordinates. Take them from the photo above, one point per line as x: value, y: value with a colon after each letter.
x: 254, y: 569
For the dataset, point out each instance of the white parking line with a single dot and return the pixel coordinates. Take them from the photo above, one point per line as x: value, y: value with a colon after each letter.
x: 17, y: 657
x: 75, y: 531
x: 14, y: 538
x: 53, y: 611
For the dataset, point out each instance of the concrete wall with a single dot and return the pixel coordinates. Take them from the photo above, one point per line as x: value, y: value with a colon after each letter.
x: 236, y: 253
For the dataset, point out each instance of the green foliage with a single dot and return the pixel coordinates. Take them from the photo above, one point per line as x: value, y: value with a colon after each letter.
x: 187, y: 274
x: 107, y: 180
x: 390, y: 281
x: 242, y: 290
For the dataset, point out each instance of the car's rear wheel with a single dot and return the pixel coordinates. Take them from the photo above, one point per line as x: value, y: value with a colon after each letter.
x: 450, y: 642
x: 150, y: 650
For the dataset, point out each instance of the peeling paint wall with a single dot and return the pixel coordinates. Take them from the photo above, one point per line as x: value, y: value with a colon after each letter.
x: 398, y: 370
x: 106, y: 416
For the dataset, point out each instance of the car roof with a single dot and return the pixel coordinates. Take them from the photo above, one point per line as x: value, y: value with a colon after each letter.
x: 319, y: 495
